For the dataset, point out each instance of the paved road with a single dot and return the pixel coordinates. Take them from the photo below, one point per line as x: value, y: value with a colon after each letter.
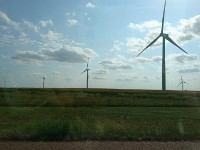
x: 94, y: 145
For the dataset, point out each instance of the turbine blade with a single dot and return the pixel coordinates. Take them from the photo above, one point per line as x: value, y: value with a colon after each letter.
x: 170, y: 40
x: 149, y: 45
x: 163, y: 18
x: 179, y: 84
x: 84, y: 71
x: 181, y: 78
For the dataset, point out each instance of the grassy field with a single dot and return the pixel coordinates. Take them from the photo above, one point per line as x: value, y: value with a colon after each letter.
x: 98, y: 114
x: 97, y: 97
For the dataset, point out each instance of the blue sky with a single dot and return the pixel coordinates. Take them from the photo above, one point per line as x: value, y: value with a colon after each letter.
x: 55, y: 39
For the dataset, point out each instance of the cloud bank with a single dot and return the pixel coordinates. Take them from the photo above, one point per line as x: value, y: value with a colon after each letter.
x: 65, y: 54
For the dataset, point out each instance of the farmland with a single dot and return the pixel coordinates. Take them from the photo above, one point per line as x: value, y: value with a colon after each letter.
x: 99, y: 114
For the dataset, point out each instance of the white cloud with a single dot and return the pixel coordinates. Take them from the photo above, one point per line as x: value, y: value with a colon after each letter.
x: 68, y: 79
x: 189, y: 70
x: 114, y: 64
x: 99, y: 78
x: 71, y: 14
x: 181, y: 58
x: 28, y: 57
x: 36, y: 75
x: 157, y: 58
x: 45, y: 23
x: 66, y: 54
x: 193, y: 67
x: 124, y: 80
x: 51, y: 36
x: 135, y: 45
x: 100, y: 71
x: 16, y: 33
x: 189, y: 28
x: 72, y: 22
x: 69, y: 54
x: 4, y: 28
x: 7, y: 20
x: 19, y: 26
x: 55, y: 73
x: 90, y: 5
x: 146, y: 25
x: 90, y: 53
x: 196, y: 64
x: 23, y: 38
x: 142, y: 59
x: 146, y: 79
x: 30, y: 25
x: 116, y: 46
x: 7, y: 39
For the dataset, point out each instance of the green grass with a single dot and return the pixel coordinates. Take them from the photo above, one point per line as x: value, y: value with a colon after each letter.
x: 98, y: 114
x: 97, y: 97
x: 102, y: 123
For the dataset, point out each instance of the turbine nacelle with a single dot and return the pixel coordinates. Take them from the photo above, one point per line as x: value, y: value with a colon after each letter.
x: 85, y: 71
x: 165, y: 35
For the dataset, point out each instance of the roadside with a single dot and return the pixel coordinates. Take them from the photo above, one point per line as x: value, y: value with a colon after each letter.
x: 97, y: 145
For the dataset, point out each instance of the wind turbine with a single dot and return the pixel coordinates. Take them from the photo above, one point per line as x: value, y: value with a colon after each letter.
x: 182, y: 82
x: 87, y: 74
x: 43, y: 81
x: 5, y: 84
x: 165, y: 37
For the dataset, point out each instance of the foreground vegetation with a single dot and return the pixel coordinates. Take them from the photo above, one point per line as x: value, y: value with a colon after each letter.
x: 71, y: 115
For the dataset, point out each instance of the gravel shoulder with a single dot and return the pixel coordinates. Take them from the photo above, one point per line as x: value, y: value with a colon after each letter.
x: 97, y: 145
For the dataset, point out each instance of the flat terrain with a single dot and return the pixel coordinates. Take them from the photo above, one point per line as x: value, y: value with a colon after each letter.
x: 98, y: 115
x: 94, y: 145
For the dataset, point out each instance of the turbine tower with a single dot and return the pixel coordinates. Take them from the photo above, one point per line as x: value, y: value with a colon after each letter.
x: 182, y: 82
x: 5, y: 84
x: 87, y: 74
x: 43, y: 81
x: 165, y: 37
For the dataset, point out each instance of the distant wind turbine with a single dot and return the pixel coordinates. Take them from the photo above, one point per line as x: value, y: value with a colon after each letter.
x: 43, y: 81
x: 165, y: 37
x: 87, y: 74
x: 182, y: 82
x: 5, y: 84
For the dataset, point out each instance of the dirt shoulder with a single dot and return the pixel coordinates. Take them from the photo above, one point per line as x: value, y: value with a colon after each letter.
x: 96, y: 145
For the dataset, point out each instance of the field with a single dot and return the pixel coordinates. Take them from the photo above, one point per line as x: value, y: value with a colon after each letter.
x: 99, y: 114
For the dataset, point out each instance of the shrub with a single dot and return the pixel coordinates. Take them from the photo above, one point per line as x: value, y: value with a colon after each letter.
x: 52, y: 130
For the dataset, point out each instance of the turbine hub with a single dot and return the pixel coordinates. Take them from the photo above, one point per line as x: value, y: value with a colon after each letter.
x: 165, y: 35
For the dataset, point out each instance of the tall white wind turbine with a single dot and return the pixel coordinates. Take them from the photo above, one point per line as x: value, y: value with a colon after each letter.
x: 86, y: 70
x: 165, y: 37
x: 182, y: 83
x: 5, y: 84
x: 43, y: 81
